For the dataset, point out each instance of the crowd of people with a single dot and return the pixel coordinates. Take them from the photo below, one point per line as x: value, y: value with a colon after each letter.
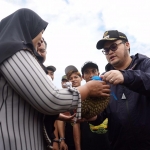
x: 36, y: 115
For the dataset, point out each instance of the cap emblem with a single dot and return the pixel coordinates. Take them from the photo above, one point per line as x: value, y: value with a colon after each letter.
x: 106, y: 37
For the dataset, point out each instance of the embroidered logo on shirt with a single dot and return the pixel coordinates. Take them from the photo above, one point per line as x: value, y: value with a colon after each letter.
x: 123, y: 96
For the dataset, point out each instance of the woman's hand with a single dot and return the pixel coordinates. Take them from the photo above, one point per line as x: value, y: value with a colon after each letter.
x: 94, y: 88
x: 98, y: 88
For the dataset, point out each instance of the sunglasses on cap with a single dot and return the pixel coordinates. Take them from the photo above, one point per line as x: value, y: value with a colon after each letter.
x: 113, y: 47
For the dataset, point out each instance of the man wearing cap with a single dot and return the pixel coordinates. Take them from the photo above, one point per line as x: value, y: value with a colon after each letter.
x: 129, y: 77
x: 93, y: 139
x: 89, y: 140
x: 61, y: 124
x: 51, y: 70
x: 63, y: 81
x: 72, y: 131
x: 49, y: 120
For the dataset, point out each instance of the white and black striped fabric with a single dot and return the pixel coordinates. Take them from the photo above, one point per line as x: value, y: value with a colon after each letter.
x: 26, y: 93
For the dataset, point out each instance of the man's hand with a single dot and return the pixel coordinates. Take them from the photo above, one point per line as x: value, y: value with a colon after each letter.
x: 63, y: 145
x: 113, y: 77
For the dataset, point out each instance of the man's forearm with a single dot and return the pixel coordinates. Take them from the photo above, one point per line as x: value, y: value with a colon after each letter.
x: 61, y: 128
x: 77, y: 136
x: 56, y: 131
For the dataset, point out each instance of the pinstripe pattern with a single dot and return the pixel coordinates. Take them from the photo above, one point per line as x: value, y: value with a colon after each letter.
x: 25, y: 95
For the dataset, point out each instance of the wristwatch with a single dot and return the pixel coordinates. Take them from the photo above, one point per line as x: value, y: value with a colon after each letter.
x: 62, y: 138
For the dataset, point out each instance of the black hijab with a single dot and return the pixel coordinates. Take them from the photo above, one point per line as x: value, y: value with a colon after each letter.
x: 17, y: 31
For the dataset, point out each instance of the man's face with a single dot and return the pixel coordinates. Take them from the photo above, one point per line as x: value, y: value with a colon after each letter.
x: 75, y: 79
x: 89, y: 72
x: 117, y: 57
x: 51, y: 74
x: 42, y: 50
x: 63, y: 82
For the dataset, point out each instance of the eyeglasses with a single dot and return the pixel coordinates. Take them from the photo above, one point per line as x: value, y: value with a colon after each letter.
x: 113, y: 47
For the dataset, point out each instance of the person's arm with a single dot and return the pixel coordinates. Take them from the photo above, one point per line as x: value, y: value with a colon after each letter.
x: 61, y: 128
x: 77, y: 136
x: 137, y: 80
x: 61, y: 132
x: 28, y: 79
x: 92, y: 87
x: 56, y: 139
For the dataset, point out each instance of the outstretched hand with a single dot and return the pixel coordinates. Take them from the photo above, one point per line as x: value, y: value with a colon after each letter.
x: 67, y: 118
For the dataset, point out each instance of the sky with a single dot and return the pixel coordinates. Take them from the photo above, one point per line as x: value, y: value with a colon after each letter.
x: 75, y: 26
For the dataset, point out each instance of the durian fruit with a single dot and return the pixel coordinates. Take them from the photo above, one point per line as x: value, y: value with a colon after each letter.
x: 93, y: 106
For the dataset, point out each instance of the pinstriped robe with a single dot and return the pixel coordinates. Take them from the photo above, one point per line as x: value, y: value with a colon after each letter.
x: 25, y: 95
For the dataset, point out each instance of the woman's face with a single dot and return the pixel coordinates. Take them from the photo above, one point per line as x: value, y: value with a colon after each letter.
x: 75, y: 79
x: 37, y: 40
x: 42, y: 50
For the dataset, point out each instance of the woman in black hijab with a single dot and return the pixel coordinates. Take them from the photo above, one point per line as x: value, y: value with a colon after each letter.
x: 19, y: 29
x: 26, y: 93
